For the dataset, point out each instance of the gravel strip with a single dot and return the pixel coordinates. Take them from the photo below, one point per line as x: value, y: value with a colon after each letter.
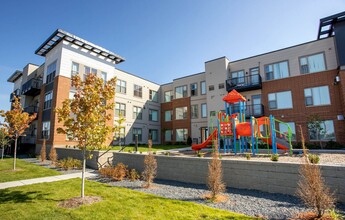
x: 249, y: 202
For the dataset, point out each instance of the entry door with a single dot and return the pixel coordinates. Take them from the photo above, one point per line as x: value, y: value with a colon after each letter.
x: 204, y: 133
x: 256, y: 101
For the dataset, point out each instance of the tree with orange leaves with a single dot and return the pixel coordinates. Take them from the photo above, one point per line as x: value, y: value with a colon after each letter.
x: 85, y: 116
x: 16, y: 122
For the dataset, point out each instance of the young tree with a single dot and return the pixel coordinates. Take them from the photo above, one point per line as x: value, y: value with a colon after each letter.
x: 43, y: 151
x: 315, y: 127
x: 215, y: 175
x: 53, y: 157
x: 85, y: 118
x: 4, y: 140
x: 312, y: 188
x: 150, y: 170
x: 16, y: 122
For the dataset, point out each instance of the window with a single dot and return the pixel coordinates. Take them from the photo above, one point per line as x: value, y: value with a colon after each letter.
x: 120, y: 109
x: 120, y: 134
x: 324, y: 132
x: 138, y: 91
x: 181, y: 134
x: 204, y: 110
x: 277, y: 70
x: 153, y: 115
x: 88, y: 70
x: 51, y: 70
x: 168, y: 115
x: 75, y: 69
x: 280, y: 100
x: 194, y: 111
x: 137, y: 132
x: 194, y: 89
x: 71, y: 95
x: 181, y: 113
x: 46, y: 129
x: 317, y: 96
x: 168, y: 96
x: 104, y: 77
x: 203, y: 87
x: 313, y: 63
x: 137, y: 112
x: 153, y: 134
x: 180, y: 92
x: 211, y: 88
x: 121, y: 86
x: 254, y: 75
x: 168, y: 135
x: 48, y: 100
x: 237, y: 77
x: 221, y: 86
x: 283, y: 129
x: 153, y: 96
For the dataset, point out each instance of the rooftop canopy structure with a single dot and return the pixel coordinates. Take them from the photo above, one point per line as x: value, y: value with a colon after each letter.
x: 60, y: 35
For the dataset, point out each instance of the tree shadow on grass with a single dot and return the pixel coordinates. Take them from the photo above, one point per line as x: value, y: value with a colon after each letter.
x: 9, y: 196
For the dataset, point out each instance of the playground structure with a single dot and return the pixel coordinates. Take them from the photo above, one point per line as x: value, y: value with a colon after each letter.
x: 234, y: 133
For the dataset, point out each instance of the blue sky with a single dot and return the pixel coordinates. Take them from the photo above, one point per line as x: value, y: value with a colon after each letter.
x: 161, y: 40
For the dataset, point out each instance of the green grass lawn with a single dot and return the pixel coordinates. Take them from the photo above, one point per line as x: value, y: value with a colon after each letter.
x: 24, y: 170
x: 39, y: 201
x: 154, y: 148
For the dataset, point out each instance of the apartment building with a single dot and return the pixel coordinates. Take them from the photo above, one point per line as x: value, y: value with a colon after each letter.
x: 291, y: 84
x: 43, y: 88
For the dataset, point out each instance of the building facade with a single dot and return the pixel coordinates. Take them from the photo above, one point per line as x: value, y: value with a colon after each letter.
x: 292, y: 84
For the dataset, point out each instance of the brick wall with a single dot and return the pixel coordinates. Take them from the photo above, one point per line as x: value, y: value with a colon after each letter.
x: 300, y: 112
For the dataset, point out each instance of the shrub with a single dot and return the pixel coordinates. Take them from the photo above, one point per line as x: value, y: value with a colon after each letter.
x: 43, y: 152
x: 167, y: 153
x: 312, y: 188
x: 189, y: 141
x: 53, y: 157
x: 154, y: 152
x: 133, y: 175
x: 150, y: 169
x: 120, y: 171
x: 314, y: 158
x: 69, y: 163
x: 333, y: 145
x: 106, y: 171
x: 199, y: 154
x: 248, y: 156
x: 215, y: 176
x: 275, y: 157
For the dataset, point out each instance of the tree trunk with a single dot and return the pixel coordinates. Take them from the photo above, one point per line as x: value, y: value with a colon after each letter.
x: 83, y: 173
x: 15, y: 153
x: 2, y: 152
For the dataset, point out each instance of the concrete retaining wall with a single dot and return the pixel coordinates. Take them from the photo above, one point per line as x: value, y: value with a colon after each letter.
x: 273, y: 177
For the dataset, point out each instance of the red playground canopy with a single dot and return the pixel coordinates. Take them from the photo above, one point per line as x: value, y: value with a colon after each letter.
x: 233, y: 97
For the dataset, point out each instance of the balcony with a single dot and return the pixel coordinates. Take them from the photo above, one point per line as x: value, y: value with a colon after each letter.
x: 32, y: 87
x: 28, y: 139
x: 244, y: 83
x: 31, y: 109
x: 14, y: 93
x: 256, y: 110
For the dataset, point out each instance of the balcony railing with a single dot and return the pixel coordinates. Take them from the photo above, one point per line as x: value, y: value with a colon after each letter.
x: 28, y: 139
x: 244, y: 83
x: 31, y: 109
x: 14, y: 93
x: 32, y: 87
x: 256, y: 110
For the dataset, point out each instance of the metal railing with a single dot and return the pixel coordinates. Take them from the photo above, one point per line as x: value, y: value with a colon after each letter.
x: 255, y: 110
x: 31, y: 109
x: 244, y: 83
x: 32, y: 87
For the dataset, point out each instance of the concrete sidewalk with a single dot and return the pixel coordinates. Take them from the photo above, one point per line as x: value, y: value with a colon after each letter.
x: 44, y: 179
